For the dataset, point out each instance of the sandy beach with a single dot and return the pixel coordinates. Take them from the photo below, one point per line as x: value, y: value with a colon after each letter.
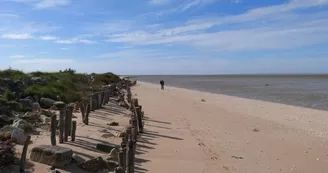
x: 192, y: 131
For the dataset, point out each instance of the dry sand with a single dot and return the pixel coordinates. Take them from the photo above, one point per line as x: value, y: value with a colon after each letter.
x: 87, y: 136
x: 184, y: 134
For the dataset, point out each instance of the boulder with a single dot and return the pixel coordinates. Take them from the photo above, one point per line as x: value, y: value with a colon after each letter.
x: 47, y: 102
x: 55, y: 156
x: 18, y: 136
x: 26, y: 103
x: 78, y: 160
x: 20, y: 123
x: 94, y: 165
x: 36, y: 106
x: 59, y: 104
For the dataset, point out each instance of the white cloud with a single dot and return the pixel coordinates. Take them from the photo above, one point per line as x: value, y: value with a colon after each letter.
x: 17, y: 36
x: 64, y: 48
x: 284, y: 29
x: 17, y: 56
x: 51, y: 3
x: 75, y: 41
x: 48, y: 37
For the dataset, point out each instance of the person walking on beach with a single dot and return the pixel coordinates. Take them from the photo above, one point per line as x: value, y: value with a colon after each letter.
x: 162, y: 84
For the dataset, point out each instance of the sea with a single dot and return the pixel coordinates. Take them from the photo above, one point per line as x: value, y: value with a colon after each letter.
x: 309, y: 91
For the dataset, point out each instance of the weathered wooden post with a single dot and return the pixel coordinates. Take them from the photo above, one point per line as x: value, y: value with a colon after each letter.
x: 61, y: 126
x: 86, y: 118
x: 128, y: 156
x: 139, y: 119
x: 91, y: 105
x: 121, y: 159
x: 53, y: 126
x: 73, y: 132
x: 23, y: 156
x: 66, y: 125
x: 99, y: 100
x: 69, y: 111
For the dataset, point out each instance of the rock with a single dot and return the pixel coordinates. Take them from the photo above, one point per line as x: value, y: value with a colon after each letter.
x: 59, y: 104
x: 77, y: 159
x: 55, y: 156
x: 10, y: 169
x: 113, y: 123
x: 105, y: 147
x: 203, y: 100
x: 36, y: 106
x: 26, y: 103
x: 45, y: 119
x: 4, y: 118
x: 111, y: 165
x: 18, y: 136
x: 94, y: 165
x: 20, y: 123
x: 46, y: 102
x: 113, y: 155
x: 120, y: 134
x: 54, y: 171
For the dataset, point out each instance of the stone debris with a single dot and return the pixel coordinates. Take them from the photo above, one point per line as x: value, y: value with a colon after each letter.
x: 55, y: 156
x: 113, y: 123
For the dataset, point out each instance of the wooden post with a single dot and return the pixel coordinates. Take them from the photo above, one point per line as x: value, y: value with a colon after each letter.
x: 86, y: 118
x: 128, y: 156
x: 120, y: 159
x: 82, y: 108
x: 66, y: 126
x: 139, y: 119
x: 53, y: 126
x: 23, y: 156
x: 73, y: 132
x: 61, y: 126
x: 99, y: 100
x: 69, y: 112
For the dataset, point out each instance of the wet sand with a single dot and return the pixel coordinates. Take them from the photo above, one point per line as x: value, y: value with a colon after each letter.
x: 227, y: 134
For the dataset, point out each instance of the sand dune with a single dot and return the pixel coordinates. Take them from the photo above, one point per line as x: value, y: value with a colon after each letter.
x: 228, y: 134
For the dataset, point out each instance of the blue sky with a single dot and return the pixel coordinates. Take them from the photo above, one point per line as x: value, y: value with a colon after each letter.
x: 165, y: 36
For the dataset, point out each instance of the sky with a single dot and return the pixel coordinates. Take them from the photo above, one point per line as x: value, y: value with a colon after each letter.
x: 165, y: 36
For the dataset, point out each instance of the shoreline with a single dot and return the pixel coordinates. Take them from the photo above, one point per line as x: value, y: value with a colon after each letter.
x: 229, y: 134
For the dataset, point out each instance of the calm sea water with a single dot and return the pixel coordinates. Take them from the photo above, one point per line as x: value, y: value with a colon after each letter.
x: 300, y: 90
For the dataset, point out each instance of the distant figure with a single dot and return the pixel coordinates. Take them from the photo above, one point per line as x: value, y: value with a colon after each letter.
x: 162, y: 84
